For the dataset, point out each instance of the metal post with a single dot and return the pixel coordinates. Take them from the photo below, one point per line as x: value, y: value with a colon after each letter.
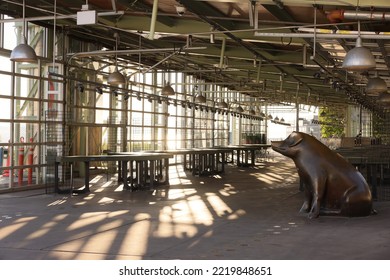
x: 297, y: 108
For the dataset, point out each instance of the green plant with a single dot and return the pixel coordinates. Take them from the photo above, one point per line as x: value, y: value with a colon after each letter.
x: 330, y: 121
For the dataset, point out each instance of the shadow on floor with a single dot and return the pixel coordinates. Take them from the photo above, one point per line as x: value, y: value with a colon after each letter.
x: 245, y: 213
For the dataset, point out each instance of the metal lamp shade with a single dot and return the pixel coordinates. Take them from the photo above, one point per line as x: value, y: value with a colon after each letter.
x: 240, y: 109
x: 222, y: 104
x: 375, y: 86
x: 252, y: 112
x: 23, y: 53
x: 359, y: 59
x: 384, y: 98
x: 200, y: 98
x: 116, y: 78
x: 167, y: 90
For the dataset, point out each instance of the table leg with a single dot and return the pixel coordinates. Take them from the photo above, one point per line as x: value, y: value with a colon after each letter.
x: 86, y: 176
x: 120, y: 177
x: 123, y: 165
x: 166, y: 167
x: 223, y: 162
x: 193, y: 163
x: 152, y: 172
x: 56, y: 179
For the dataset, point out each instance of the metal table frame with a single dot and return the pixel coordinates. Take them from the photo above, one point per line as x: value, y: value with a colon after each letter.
x: 145, y: 167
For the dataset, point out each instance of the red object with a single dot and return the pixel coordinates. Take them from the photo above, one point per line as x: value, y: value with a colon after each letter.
x: 335, y: 16
x: 30, y: 159
x: 20, y: 162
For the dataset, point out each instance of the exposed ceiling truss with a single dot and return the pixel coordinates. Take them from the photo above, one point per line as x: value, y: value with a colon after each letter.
x: 280, y: 51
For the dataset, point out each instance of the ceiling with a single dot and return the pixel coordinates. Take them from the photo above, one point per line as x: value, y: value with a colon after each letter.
x: 276, y: 50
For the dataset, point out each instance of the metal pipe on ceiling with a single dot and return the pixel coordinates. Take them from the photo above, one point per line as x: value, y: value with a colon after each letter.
x: 153, y: 20
x: 222, y: 56
x: 346, y: 32
x: 114, y: 52
x: 340, y: 15
x: 74, y: 16
x: 381, y: 36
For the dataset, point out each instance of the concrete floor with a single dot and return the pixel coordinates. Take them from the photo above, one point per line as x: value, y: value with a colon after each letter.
x: 246, y: 213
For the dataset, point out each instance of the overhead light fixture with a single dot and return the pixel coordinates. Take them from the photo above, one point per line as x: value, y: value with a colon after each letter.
x: 262, y: 115
x: 375, y: 86
x: 240, y: 109
x: 23, y: 52
x: 276, y: 119
x: 167, y: 90
x: 270, y: 117
x: 359, y: 59
x: 99, y: 90
x: 200, y: 98
x: 86, y: 16
x: 222, y: 104
x: 116, y: 78
x: 384, y: 98
x: 252, y: 112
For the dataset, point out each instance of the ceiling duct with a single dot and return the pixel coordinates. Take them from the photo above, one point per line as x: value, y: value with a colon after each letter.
x: 340, y: 15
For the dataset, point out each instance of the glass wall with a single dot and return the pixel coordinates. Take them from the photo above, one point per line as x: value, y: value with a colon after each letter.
x: 51, y: 109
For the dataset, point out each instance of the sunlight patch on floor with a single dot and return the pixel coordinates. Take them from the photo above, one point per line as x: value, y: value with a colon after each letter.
x: 46, y: 228
x: 180, y: 193
x: 15, y: 226
x: 218, y: 205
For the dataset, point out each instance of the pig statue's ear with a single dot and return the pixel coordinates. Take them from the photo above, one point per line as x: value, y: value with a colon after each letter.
x: 296, y: 142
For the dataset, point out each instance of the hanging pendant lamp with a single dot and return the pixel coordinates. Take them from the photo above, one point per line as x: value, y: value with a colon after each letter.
x: 167, y: 90
x: 116, y: 78
x: 359, y: 59
x: 222, y: 104
x: 240, y: 109
x: 384, y: 98
x: 200, y: 98
x: 23, y: 52
x: 375, y: 86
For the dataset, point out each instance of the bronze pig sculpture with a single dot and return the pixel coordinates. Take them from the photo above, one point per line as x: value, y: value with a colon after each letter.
x: 332, y: 185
